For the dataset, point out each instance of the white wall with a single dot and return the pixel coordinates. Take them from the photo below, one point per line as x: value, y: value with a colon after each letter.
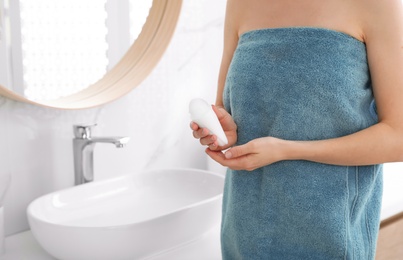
x: 36, y: 142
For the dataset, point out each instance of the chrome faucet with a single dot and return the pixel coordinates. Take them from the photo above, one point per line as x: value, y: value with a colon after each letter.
x: 83, y: 148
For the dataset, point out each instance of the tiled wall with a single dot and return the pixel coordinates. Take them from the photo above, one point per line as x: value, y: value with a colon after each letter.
x: 36, y: 142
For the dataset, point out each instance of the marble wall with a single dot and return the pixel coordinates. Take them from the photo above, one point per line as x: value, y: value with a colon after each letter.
x: 36, y: 142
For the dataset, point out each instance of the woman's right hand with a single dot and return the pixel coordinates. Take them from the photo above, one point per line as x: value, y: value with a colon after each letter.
x: 228, y: 125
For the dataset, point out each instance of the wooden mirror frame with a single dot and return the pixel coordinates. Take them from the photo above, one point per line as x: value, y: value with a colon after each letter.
x: 132, y: 69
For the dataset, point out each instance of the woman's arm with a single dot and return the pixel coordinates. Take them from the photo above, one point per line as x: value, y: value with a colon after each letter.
x: 383, y: 33
x: 231, y: 36
x: 382, y: 28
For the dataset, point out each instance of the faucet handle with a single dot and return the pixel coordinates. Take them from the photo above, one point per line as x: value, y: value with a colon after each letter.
x: 83, y: 131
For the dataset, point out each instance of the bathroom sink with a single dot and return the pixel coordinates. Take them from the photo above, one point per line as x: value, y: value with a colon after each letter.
x: 131, y: 217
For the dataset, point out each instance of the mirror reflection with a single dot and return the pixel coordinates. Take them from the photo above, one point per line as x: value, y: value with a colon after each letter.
x: 50, y: 49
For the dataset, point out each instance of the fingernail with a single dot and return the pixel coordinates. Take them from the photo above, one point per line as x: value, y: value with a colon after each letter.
x: 228, y: 155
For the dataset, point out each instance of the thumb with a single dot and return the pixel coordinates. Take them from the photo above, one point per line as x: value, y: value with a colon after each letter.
x: 225, y: 118
x: 238, y: 151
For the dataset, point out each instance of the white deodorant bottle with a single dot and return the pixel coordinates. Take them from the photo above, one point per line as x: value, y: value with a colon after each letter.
x: 203, y: 114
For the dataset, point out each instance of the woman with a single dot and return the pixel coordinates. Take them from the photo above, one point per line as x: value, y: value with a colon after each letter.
x: 296, y: 98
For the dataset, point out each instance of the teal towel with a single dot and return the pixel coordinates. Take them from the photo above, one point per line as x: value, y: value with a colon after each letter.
x: 300, y: 83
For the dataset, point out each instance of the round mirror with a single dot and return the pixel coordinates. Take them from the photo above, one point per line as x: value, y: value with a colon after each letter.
x: 68, y: 54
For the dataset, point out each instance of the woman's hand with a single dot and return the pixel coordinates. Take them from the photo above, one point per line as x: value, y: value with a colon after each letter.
x: 228, y: 125
x: 252, y: 155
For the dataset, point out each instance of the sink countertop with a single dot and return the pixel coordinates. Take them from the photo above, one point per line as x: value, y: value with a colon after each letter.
x: 23, y: 246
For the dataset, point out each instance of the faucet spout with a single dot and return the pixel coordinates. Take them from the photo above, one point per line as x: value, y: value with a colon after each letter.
x: 119, y: 142
x: 83, y: 149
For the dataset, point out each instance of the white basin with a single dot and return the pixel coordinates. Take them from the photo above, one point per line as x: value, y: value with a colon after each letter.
x: 130, y: 217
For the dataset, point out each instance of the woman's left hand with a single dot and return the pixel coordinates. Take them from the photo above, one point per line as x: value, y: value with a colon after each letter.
x: 252, y: 155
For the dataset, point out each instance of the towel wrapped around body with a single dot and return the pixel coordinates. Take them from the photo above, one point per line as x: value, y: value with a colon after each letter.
x: 300, y: 83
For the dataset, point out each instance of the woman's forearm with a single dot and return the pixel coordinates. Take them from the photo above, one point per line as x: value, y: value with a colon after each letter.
x: 377, y: 144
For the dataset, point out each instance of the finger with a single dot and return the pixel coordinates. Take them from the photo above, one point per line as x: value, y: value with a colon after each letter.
x: 220, y: 112
x: 194, y: 126
x: 217, y: 156
x: 214, y: 146
x: 201, y: 132
x: 238, y: 151
x: 223, y: 116
x: 240, y: 163
x: 208, y: 140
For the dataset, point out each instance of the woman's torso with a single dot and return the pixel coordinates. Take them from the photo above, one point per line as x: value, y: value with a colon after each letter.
x: 301, y: 82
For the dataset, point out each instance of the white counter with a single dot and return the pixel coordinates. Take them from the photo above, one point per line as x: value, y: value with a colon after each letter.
x: 23, y: 246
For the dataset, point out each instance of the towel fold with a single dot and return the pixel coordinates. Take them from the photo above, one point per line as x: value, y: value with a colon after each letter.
x: 300, y: 83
